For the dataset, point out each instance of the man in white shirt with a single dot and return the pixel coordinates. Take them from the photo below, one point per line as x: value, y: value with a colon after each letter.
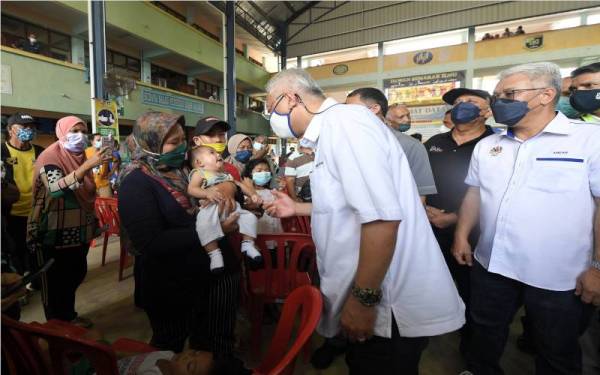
x: 384, y: 280
x: 536, y: 189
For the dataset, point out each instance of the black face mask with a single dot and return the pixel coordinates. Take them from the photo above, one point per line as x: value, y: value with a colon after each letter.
x: 585, y: 101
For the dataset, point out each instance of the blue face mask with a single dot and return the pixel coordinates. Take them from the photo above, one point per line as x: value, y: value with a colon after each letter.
x: 243, y: 156
x: 98, y: 144
x: 464, y: 112
x: 25, y: 134
x: 509, y: 112
x: 261, y: 178
x: 403, y: 127
x: 566, y: 108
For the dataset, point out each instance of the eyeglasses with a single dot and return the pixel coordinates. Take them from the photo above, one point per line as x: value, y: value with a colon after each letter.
x: 266, y: 113
x: 510, y: 94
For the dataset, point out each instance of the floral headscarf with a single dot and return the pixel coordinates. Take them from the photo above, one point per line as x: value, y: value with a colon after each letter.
x: 148, y: 137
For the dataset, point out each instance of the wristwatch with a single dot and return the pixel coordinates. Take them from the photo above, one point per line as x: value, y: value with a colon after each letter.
x: 595, y: 264
x: 367, y: 296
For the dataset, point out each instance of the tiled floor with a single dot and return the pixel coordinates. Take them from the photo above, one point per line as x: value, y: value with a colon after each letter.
x: 109, y: 304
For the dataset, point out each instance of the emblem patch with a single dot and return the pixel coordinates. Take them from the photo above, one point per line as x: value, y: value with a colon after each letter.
x: 495, y: 151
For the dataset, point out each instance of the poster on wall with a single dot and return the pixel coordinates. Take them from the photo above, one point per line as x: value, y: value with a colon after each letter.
x: 428, y: 114
x: 426, y: 89
x: 107, y: 120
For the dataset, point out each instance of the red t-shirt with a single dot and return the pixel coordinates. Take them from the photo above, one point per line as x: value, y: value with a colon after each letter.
x: 232, y: 170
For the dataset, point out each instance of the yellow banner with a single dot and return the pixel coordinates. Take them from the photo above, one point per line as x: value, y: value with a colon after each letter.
x: 107, y: 120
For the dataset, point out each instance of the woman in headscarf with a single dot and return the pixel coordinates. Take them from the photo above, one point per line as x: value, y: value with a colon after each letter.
x: 62, y: 222
x: 158, y: 217
x: 240, y: 151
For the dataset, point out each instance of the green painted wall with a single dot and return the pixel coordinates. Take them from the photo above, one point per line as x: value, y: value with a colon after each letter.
x: 46, y: 86
x: 148, y: 22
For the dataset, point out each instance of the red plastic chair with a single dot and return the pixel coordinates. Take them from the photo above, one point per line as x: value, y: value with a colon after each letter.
x: 108, y: 215
x: 65, y: 343
x: 20, y: 345
x: 296, y: 224
x: 272, y: 284
x: 307, y: 303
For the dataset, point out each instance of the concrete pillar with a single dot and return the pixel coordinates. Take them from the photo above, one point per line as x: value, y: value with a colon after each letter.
x: 380, y: 57
x: 470, y: 58
x: 146, y: 70
x: 77, y: 51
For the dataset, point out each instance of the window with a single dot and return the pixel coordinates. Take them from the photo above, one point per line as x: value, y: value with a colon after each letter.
x: 256, y: 105
x: 167, y: 78
x: 239, y: 101
x: 208, y: 90
x: 428, y: 41
x: 49, y: 43
x: 123, y: 65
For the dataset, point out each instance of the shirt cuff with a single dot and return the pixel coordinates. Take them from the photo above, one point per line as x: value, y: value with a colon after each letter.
x: 427, y: 190
x: 368, y: 216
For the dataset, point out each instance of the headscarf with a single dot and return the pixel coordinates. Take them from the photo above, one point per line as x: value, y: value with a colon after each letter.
x: 148, y: 135
x: 57, y: 155
x: 232, y: 147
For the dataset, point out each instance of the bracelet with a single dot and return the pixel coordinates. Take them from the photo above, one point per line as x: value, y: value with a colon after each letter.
x: 366, y: 296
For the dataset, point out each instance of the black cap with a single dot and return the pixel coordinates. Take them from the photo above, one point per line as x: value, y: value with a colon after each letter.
x: 204, y: 125
x: 453, y: 94
x: 21, y: 119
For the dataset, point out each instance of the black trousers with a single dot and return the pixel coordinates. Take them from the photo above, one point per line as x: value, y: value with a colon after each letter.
x: 210, y: 328
x: 382, y: 356
x: 17, y: 227
x: 558, y: 318
x: 60, y: 283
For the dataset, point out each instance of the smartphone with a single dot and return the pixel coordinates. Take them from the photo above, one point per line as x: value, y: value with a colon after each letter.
x: 27, y: 279
x: 109, y: 143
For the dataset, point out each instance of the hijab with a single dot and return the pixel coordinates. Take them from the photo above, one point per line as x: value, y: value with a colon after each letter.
x: 232, y: 147
x: 147, y: 139
x: 57, y: 155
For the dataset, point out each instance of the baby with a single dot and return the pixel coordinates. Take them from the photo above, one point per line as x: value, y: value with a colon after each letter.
x: 204, y: 180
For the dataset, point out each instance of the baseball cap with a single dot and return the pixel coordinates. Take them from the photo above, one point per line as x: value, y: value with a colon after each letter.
x: 453, y: 94
x: 204, y: 125
x: 21, y: 118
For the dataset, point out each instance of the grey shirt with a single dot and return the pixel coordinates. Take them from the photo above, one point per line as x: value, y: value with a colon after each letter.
x: 418, y: 160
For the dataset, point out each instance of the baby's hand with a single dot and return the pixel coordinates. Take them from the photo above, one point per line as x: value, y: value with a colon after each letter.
x: 214, y: 196
x: 256, y: 199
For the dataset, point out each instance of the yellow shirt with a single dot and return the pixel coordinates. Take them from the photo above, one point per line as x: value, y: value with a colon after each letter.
x: 101, y: 173
x: 22, y: 163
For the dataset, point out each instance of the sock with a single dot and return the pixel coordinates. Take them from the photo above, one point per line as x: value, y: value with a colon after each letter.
x: 250, y: 250
x: 216, y: 260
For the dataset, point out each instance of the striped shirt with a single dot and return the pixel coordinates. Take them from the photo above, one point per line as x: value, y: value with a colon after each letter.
x: 300, y: 167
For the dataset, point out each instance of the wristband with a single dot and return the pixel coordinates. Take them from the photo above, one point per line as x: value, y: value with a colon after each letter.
x: 367, y: 296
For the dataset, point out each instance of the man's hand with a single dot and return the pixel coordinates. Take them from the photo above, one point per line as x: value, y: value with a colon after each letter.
x: 282, y: 206
x: 213, y: 196
x: 588, y: 286
x: 461, y: 250
x: 230, y: 224
x: 439, y: 218
x: 357, y: 321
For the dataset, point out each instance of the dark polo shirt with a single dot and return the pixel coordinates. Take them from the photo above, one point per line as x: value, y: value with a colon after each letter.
x: 450, y: 164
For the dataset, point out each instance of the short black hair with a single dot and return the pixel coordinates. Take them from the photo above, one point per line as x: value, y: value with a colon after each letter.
x: 247, y: 172
x: 92, y: 136
x: 371, y: 93
x: 591, y: 68
x: 417, y: 136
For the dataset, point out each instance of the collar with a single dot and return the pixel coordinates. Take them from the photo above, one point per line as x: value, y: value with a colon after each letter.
x: 311, y: 135
x: 560, y: 124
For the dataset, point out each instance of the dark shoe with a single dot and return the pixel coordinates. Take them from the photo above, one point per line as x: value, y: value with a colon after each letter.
x: 323, y: 357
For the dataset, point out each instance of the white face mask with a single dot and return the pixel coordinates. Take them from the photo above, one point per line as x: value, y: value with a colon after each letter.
x: 444, y: 129
x: 75, y: 142
x: 258, y: 146
x: 282, y: 126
